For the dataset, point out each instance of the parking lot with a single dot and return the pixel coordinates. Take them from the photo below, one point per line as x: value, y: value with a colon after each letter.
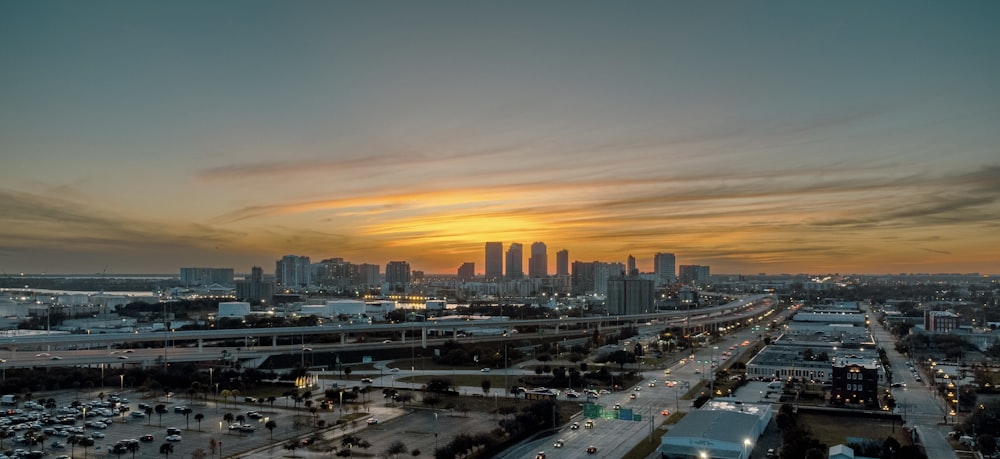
x: 213, y: 427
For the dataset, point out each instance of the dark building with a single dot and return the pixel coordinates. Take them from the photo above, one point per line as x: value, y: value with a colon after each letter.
x: 627, y: 295
x: 562, y: 262
x: 467, y: 271
x: 494, y: 261
x: 538, y: 264
x: 195, y: 277
x: 253, y: 288
x: 397, y: 273
x: 515, y: 261
x: 855, y: 382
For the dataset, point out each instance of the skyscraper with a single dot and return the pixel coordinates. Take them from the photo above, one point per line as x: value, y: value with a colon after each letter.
x: 494, y: 261
x: 397, y: 273
x: 562, y: 262
x: 538, y: 264
x: 630, y: 266
x: 665, y: 267
x: 515, y: 261
x: 293, y: 271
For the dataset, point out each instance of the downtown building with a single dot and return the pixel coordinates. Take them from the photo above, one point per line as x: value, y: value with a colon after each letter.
x: 665, y: 268
x: 199, y: 277
x: 293, y: 271
x: 494, y: 262
x: 254, y: 288
x: 515, y: 261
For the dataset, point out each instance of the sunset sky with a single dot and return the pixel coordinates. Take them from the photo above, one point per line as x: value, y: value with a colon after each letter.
x: 751, y: 136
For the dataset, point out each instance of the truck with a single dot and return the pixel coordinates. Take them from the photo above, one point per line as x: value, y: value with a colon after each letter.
x: 8, y: 399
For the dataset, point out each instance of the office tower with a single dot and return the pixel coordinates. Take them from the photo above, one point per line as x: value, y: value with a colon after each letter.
x: 515, y: 261
x: 630, y: 296
x: 592, y: 277
x: 293, y: 271
x: 467, y: 271
x: 538, y: 264
x: 494, y: 261
x: 692, y: 274
x: 368, y: 275
x: 630, y: 267
x: 195, y: 277
x: 253, y: 288
x: 562, y: 262
x: 664, y: 265
x: 397, y: 273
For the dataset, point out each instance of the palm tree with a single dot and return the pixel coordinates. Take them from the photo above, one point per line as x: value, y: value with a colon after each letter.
x: 239, y: 420
x: 224, y: 394
x: 270, y: 425
x: 234, y: 393
x: 133, y: 448
x: 161, y: 409
x: 292, y: 445
x: 149, y: 414
x: 73, y: 440
x: 228, y: 417
x: 166, y: 450
x: 198, y: 418
x: 86, y: 442
x: 187, y: 418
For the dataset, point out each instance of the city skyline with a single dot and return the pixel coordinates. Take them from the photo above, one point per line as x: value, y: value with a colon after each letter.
x: 778, y: 137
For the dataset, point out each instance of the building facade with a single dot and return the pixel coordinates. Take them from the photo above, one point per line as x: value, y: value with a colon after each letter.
x: 538, y: 264
x: 665, y: 265
x: 293, y: 271
x: 397, y: 273
x: 515, y: 261
x: 630, y: 296
x: 855, y: 382
x: 466, y: 272
x: 562, y: 263
x: 195, y: 277
x: 494, y: 261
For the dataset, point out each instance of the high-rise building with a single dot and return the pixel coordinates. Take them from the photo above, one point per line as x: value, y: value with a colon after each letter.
x: 253, y: 288
x: 195, y: 277
x: 665, y: 267
x: 293, y: 271
x: 515, y: 261
x: 692, y: 274
x: 368, y: 275
x: 592, y: 277
x: 397, y: 273
x: 538, y: 264
x: 494, y: 261
x: 562, y: 262
x: 628, y: 295
x: 630, y: 266
x: 467, y: 271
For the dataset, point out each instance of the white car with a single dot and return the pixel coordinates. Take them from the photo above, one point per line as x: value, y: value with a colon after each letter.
x: 485, y: 370
x: 173, y: 438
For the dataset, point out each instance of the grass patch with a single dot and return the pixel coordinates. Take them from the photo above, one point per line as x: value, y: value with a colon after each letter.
x: 833, y: 430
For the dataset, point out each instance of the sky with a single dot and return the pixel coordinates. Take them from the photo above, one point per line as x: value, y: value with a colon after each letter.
x: 754, y: 137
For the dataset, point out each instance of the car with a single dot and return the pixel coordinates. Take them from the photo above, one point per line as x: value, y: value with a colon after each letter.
x: 652, y: 384
x: 665, y: 413
x: 637, y: 388
x: 394, y: 370
x: 254, y: 415
x: 366, y: 380
x: 617, y: 407
x: 898, y: 384
x: 179, y: 408
x: 56, y: 357
x: 146, y: 437
x: 174, y: 438
x: 591, y: 449
x: 540, y: 455
x: 386, y: 341
x: 574, y: 426
x: 589, y: 424
x: 308, y: 441
x: 63, y: 456
x: 771, y: 453
x: 173, y: 431
x: 42, y: 354
x: 57, y: 445
x: 485, y: 370
x: 97, y: 435
x: 247, y: 428
x: 559, y: 443
x: 122, y: 357
x: 307, y: 349
x: 631, y: 396
x: 128, y: 351
x: 372, y: 421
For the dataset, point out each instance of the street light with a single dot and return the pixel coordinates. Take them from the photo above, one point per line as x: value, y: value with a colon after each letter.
x: 122, y: 379
x: 746, y: 444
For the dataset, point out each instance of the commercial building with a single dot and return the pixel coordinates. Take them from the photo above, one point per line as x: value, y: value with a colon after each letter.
x: 627, y: 295
x: 722, y: 429
x: 293, y: 271
x: 466, y: 272
x: 515, y: 261
x: 855, y: 381
x: 693, y: 274
x: 254, y: 288
x: 196, y: 277
x: 494, y: 261
x: 397, y: 273
x: 941, y: 321
x: 562, y: 263
x: 665, y: 265
x: 538, y: 264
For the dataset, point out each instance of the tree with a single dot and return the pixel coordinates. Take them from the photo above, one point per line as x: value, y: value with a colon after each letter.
x: 347, y: 372
x: 149, y: 414
x: 166, y: 450
x: 486, y: 384
x: 396, y: 448
x: 187, y: 417
x: 198, y: 418
x: 133, y: 448
x: 198, y: 454
x: 270, y: 425
x: 228, y: 417
x: 161, y: 409
x: 292, y: 445
x: 85, y: 443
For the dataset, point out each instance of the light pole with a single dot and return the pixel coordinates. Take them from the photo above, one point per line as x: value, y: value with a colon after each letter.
x: 122, y: 379
x: 711, y: 377
x: 435, y: 433
x: 746, y: 444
